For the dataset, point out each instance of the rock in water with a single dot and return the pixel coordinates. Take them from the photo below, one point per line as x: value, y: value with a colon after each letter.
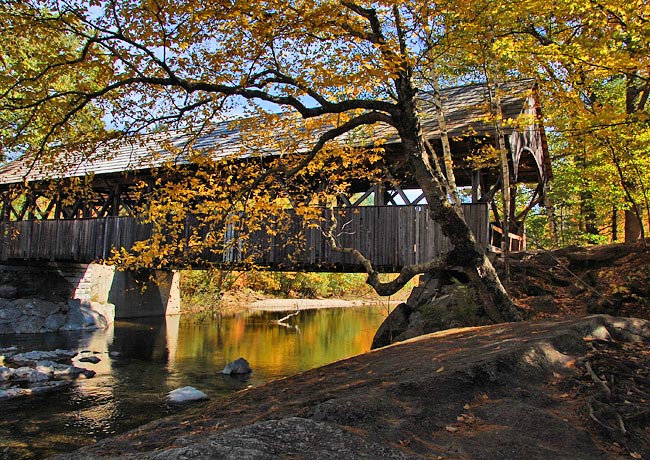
x: 186, y: 394
x: 48, y: 387
x: 5, y: 373
x: 31, y: 358
x: 27, y: 374
x: 238, y: 367
x: 90, y: 359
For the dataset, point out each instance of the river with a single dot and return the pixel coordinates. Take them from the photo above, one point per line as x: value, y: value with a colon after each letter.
x: 157, y: 355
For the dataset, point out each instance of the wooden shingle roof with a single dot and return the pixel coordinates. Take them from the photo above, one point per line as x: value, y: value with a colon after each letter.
x: 466, y: 112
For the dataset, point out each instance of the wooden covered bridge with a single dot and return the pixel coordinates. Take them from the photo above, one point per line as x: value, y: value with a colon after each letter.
x: 387, y: 221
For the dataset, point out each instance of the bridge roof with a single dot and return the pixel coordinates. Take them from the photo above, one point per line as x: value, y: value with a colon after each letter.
x: 466, y: 111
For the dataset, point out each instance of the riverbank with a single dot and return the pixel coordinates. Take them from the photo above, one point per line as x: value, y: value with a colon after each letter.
x: 232, y: 303
x: 214, y: 291
x: 519, y: 390
x: 317, y: 304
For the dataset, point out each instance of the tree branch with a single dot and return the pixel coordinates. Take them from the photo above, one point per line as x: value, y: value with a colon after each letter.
x: 390, y: 287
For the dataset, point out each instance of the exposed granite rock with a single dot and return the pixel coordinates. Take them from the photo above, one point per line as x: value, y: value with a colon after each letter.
x: 394, y: 325
x: 33, y: 315
x: 436, y: 304
x: 492, y: 392
x: 5, y: 373
x: 59, y: 371
x: 27, y: 374
x: 14, y: 392
x: 55, y: 321
x: 38, y: 373
x: 31, y: 358
x: 291, y: 437
x: 88, y: 315
x: 39, y: 388
x: 48, y: 387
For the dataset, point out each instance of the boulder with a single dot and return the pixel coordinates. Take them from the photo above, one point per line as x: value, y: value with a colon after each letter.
x: 87, y: 373
x: 47, y: 387
x: 83, y: 314
x: 395, y: 324
x: 48, y: 367
x: 90, y: 359
x: 55, y: 322
x: 9, y: 312
x: 5, y: 373
x: 27, y: 374
x: 31, y: 358
x: 291, y: 437
x: 9, y: 351
x: 454, y: 305
x: 33, y: 315
x: 186, y: 394
x: 238, y: 367
x: 59, y: 371
x: 37, y: 307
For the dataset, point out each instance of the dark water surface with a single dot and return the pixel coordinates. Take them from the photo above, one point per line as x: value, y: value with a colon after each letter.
x: 159, y: 355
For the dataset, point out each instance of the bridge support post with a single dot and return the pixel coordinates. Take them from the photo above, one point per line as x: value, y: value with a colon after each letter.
x: 136, y: 294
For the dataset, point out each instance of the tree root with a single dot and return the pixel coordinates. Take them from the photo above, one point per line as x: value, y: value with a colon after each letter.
x: 597, y: 380
x: 617, y: 379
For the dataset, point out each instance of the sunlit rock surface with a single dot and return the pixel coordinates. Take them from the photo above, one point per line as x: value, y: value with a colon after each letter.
x: 27, y: 315
x: 38, y: 372
x: 186, y: 394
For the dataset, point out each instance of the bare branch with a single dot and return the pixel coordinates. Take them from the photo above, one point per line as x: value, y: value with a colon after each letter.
x: 370, y: 14
x: 390, y: 287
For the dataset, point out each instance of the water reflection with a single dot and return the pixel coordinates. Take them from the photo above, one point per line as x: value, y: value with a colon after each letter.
x: 158, y: 355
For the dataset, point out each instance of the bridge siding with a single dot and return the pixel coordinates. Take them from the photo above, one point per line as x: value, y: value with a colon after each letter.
x: 390, y: 236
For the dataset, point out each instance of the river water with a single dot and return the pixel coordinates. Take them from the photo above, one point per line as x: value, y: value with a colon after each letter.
x: 159, y: 355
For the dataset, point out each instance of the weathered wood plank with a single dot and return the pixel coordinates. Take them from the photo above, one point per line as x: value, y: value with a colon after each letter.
x: 390, y: 236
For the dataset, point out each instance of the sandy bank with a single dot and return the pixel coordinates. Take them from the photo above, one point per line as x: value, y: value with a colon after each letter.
x: 314, y: 304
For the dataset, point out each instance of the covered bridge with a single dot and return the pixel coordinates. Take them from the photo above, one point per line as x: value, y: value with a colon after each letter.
x: 387, y: 221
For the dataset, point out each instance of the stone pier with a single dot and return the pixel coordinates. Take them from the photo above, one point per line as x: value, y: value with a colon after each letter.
x: 134, y: 294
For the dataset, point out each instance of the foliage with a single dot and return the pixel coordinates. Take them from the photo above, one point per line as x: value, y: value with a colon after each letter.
x: 593, y: 72
x: 34, y: 65
x: 206, y: 288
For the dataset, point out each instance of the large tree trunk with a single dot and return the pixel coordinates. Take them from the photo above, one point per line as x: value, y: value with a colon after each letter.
x: 466, y: 254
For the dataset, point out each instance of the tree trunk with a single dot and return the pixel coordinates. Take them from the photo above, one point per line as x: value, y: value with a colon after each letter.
x: 588, y: 211
x: 466, y: 254
x: 633, y: 226
x: 550, y: 213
